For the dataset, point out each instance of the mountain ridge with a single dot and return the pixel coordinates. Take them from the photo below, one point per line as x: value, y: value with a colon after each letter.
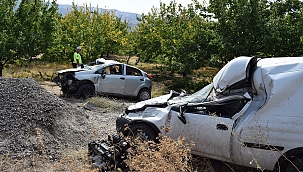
x: 131, y: 18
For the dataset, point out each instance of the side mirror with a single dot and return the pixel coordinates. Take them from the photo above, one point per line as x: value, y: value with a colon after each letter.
x: 183, y: 93
x: 181, y: 114
x: 103, y: 73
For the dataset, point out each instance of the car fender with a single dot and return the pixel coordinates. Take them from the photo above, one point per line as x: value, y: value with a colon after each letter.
x: 154, y: 116
x: 152, y: 125
x: 93, y: 78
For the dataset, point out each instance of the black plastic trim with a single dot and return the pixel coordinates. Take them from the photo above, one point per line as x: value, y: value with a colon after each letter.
x: 263, y: 146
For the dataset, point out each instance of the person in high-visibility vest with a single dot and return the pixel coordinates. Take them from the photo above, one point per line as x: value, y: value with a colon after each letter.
x: 77, y: 58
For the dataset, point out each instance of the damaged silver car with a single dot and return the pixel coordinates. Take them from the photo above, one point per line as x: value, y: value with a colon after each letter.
x: 108, y: 78
x: 250, y: 115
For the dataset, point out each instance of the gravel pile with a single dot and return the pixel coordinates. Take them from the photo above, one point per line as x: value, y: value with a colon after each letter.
x: 35, y: 122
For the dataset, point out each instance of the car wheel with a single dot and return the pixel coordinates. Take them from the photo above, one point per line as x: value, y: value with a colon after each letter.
x: 85, y: 91
x: 295, y: 165
x: 144, y: 94
x: 143, y: 131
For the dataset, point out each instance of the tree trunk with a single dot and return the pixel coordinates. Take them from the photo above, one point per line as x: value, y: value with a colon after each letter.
x: 128, y: 59
x: 138, y: 60
x: 1, y: 68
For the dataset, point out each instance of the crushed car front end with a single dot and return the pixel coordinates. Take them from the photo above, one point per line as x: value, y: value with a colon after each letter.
x: 156, y: 112
x: 70, y: 80
x: 151, y: 112
x: 64, y: 80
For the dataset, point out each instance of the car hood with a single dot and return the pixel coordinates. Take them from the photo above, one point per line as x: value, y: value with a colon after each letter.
x: 233, y: 72
x: 72, y: 70
x: 158, y: 101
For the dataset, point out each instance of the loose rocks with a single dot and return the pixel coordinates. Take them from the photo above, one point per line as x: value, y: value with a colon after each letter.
x: 33, y: 121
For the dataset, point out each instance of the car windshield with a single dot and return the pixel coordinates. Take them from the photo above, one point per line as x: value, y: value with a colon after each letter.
x: 197, y: 97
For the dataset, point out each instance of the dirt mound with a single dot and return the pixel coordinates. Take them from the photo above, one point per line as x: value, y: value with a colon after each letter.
x: 34, y: 121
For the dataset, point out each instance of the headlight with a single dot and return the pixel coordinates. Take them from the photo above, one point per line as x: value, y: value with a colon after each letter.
x: 69, y: 82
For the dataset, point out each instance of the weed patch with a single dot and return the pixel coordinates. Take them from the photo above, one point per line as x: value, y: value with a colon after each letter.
x: 108, y: 103
x: 168, y: 155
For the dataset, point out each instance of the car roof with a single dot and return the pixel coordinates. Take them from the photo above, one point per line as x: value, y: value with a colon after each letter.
x: 116, y: 62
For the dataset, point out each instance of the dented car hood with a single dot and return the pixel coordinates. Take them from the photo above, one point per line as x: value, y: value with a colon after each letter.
x: 233, y: 72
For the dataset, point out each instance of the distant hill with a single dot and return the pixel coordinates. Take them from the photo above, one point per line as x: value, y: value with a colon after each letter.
x: 131, y: 18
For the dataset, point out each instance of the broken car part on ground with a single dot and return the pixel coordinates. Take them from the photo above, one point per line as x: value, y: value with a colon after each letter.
x: 250, y: 115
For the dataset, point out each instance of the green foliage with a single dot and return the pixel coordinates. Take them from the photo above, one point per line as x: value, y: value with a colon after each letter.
x: 257, y: 27
x: 35, y: 34
x: 285, y: 25
x: 51, y: 29
x: 98, y: 32
x: 23, y: 37
x: 187, y: 84
x: 241, y: 27
x: 7, y: 41
x: 180, y: 37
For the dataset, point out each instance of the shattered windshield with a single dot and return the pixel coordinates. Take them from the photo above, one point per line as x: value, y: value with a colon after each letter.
x: 197, y: 97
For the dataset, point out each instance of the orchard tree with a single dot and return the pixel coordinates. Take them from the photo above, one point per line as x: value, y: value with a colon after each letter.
x: 241, y: 28
x: 130, y: 45
x: 23, y: 37
x: 285, y: 23
x: 115, y: 33
x: 72, y: 30
x: 7, y: 39
x: 179, y: 37
x: 257, y: 27
x: 97, y: 31
x: 35, y: 34
x: 51, y: 32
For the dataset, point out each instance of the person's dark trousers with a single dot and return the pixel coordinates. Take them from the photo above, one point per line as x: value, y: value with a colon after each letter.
x: 74, y: 65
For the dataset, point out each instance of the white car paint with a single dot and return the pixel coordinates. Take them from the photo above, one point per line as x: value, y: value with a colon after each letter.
x: 258, y: 134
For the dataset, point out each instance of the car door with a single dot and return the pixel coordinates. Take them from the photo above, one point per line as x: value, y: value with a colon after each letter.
x: 210, y: 134
x: 112, y: 81
x: 133, y: 81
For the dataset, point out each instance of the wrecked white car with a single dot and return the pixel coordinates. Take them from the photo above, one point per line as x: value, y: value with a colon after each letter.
x: 107, y: 78
x: 250, y: 115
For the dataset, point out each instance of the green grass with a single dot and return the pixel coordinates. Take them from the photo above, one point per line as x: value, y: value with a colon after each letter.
x: 111, y: 103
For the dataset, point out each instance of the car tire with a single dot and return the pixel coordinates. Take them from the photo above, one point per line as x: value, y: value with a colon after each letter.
x: 144, y: 94
x: 85, y: 91
x: 144, y: 131
x: 295, y: 164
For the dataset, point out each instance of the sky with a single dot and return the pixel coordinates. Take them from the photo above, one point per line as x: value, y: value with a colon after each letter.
x: 133, y: 6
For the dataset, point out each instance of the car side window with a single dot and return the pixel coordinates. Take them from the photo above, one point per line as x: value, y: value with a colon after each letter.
x: 133, y: 71
x: 114, y: 70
